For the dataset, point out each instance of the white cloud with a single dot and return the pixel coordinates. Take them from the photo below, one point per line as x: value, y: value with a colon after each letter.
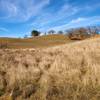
x: 47, y: 18
x: 2, y: 29
x: 21, y: 10
x: 79, y: 22
x: 8, y: 9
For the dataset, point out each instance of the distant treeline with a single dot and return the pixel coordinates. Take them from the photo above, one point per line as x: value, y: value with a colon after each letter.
x: 80, y: 32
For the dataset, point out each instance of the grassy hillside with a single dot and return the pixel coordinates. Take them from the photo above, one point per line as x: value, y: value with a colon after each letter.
x: 36, y: 42
x: 67, y: 72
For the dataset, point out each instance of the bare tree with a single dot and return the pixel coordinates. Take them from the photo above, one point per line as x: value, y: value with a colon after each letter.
x: 60, y: 32
x: 45, y: 33
x: 26, y: 36
x: 51, y: 32
x: 93, y: 30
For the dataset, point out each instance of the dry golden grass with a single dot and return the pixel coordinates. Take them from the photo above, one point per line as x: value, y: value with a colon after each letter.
x: 67, y: 72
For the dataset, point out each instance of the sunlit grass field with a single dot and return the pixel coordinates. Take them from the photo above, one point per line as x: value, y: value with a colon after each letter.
x: 36, y: 42
x: 67, y: 72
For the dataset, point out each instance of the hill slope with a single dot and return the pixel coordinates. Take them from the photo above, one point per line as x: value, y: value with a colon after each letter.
x: 36, y: 42
x: 67, y: 72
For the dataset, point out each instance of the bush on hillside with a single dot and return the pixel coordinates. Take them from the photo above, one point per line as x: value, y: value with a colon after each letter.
x: 78, y: 34
x: 3, y: 45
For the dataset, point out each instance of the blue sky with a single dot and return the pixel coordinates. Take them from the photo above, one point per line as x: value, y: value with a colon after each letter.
x: 19, y: 17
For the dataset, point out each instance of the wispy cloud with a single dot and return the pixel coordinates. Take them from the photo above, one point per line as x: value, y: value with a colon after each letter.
x: 7, y: 9
x: 79, y: 22
x: 48, y: 18
x: 21, y: 10
x: 2, y: 29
